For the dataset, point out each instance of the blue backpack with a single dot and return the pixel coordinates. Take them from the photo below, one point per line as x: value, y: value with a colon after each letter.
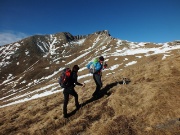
x: 92, y: 69
x: 92, y: 66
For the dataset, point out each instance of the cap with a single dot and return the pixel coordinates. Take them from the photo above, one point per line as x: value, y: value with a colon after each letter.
x: 76, y: 67
x: 101, y: 58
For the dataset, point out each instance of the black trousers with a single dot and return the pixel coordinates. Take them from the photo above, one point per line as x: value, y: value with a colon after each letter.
x: 67, y: 92
x: 97, y: 80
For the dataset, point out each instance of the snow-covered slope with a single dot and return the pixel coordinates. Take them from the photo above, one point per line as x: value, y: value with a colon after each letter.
x: 30, y: 67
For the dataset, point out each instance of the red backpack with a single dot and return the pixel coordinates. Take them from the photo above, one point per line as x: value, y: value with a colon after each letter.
x: 64, y: 77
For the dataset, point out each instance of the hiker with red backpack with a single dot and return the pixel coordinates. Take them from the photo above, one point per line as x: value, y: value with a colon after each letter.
x: 68, y: 85
x: 96, y: 68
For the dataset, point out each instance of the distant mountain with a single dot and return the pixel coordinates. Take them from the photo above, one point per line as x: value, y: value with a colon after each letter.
x: 148, y: 104
x: 31, y: 63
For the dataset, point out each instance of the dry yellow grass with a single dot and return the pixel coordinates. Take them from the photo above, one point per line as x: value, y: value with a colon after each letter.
x: 149, y: 104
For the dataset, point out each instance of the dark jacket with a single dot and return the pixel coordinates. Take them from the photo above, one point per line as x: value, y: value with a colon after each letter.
x: 73, y: 80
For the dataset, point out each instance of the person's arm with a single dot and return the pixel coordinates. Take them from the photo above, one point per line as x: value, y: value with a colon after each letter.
x: 105, y: 65
x: 75, y: 80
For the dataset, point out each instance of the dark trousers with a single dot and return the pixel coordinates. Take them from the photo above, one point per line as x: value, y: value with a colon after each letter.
x: 97, y: 80
x: 67, y: 92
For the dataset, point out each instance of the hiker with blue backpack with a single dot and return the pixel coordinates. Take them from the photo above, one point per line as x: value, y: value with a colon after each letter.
x: 95, y: 67
x: 68, y: 81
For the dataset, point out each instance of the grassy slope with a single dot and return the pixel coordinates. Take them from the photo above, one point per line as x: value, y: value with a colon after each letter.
x: 149, y: 104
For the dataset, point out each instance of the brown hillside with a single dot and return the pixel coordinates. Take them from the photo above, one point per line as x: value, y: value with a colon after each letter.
x: 149, y: 104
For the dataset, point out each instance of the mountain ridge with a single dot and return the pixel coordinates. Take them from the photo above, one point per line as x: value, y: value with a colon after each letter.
x: 148, y: 104
x: 59, y: 50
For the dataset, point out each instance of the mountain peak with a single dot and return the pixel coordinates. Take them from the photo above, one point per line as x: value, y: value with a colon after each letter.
x: 103, y: 32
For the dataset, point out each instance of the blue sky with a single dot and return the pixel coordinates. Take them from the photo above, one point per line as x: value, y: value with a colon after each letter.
x: 133, y: 20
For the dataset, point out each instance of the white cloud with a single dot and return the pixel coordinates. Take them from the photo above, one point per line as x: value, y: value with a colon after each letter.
x: 10, y: 37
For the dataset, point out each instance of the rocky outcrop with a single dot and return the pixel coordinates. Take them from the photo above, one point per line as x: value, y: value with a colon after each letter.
x: 103, y: 32
x: 65, y: 36
x: 78, y: 37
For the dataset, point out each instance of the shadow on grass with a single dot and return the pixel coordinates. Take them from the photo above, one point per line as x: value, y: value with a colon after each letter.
x: 102, y: 93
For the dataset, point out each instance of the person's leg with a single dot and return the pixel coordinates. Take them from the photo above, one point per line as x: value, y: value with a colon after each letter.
x: 97, y: 79
x: 66, y: 99
x: 74, y: 93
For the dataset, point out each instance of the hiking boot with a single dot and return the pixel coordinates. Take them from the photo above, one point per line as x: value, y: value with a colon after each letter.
x: 77, y: 107
x: 65, y: 115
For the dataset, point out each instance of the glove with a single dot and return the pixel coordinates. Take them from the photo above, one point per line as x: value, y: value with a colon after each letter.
x: 105, y: 65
